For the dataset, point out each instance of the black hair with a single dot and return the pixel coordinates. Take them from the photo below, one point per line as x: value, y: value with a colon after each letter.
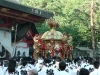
x: 62, y: 65
x: 11, y: 66
x: 96, y: 64
x: 47, y: 60
x: 33, y: 61
x: 83, y: 71
x: 12, y: 62
x: 23, y: 61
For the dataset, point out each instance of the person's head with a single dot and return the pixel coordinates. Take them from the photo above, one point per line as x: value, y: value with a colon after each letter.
x: 83, y: 71
x: 12, y: 62
x: 33, y: 62
x: 96, y: 64
x: 62, y: 65
x: 23, y: 61
x: 90, y: 60
x: 47, y: 62
x: 11, y: 66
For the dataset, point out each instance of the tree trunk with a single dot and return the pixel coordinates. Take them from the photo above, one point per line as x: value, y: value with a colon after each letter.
x: 92, y: 28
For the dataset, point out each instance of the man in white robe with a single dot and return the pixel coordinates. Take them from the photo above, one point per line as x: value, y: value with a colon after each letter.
x: 96, y: 69
x: 62, y: 66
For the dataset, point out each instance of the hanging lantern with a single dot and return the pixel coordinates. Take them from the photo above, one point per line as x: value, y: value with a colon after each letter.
x: 12, y: 28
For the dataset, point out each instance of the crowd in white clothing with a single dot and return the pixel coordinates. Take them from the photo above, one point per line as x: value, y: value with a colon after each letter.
x: 49, y: 66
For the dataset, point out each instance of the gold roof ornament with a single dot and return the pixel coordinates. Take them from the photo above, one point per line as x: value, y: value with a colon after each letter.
x: 52, y: 34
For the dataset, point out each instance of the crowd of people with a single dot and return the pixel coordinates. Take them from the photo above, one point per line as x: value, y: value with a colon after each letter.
x: 49, y: 66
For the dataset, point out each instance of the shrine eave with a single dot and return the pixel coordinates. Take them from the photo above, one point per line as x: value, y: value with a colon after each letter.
x: 22, y: 12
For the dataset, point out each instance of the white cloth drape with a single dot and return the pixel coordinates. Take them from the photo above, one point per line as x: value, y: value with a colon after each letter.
x: 5, y: 40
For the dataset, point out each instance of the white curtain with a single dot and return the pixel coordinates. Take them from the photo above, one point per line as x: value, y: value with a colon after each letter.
x: 5, y: 40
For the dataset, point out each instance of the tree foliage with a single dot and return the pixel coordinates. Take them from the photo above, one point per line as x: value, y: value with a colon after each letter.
x: 73, y: 17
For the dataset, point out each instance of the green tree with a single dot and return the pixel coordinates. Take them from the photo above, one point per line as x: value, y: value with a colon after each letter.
x: 73, y: 17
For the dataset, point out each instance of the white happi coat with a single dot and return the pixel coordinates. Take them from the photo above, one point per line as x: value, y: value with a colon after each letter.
x: 43, y: 71
x: 95, y: 72
x: 7, y: 73
x: 63, y: 73
x: 23, y: 69
x: 1, y: 70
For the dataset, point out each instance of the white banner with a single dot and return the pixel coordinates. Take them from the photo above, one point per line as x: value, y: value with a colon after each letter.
x: 5, y: 40
x: 22, y: 51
